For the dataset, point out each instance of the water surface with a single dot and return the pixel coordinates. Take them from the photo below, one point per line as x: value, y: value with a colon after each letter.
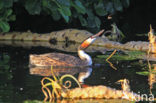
x: 17, y: 84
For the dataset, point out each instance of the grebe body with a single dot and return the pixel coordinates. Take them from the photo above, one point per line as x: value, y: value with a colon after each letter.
x: 60, y: 59
x: 56, y: 59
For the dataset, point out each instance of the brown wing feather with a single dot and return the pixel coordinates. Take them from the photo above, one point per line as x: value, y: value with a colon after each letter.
x: 55, y: 59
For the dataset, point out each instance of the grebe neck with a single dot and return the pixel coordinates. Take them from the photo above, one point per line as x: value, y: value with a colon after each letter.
x: 84, y: 56
x: 86, y: 43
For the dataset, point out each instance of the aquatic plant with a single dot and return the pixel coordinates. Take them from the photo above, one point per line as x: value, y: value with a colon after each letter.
x: 126, y: 55
x: 124, y: 84
x: 152, y: 41
x: 151, y: 72
x: 116, y: 33
x: 56, y: 85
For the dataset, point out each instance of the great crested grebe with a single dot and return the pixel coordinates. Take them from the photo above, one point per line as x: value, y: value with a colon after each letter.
x: 59, y: 59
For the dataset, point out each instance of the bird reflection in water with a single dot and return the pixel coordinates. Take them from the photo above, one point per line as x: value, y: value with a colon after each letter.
x: 83, y: 72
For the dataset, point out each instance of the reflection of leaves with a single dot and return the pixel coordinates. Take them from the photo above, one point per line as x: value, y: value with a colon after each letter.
x: 5, y: 67
x: 5, y: 60
x: 33, y: 101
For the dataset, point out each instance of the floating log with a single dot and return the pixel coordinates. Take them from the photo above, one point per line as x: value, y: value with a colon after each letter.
x: 73, y: 35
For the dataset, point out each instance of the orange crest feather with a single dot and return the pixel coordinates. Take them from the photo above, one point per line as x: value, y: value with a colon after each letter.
x: 85, y: 44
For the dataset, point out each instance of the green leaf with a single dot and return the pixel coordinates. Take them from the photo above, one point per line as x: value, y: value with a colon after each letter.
x: 4, y: 26
x: 82, y: 20
x: 55, y: 14
x: 1, y: 4
x: 51, y: 8
x: 12, y: 18
x: 33, y: 6
x: 8, y: 13
x: 64, y: 2
x: 117, y: 5
x: 97, y: 22
x: 8, y: 3
x: 66, y: 10
x: 125, y: 3
x: 75, y: 14
x: 63, y: 15
x: 109, y: 7
x: 49, y: 4
x: 15, y: 0
x: 90, y: 13
x: 145, y: 73
x: 100, y: 9
x: 116, y: 30
x: 79, y: 7
x: 91, y: 19
x: 91, y: 22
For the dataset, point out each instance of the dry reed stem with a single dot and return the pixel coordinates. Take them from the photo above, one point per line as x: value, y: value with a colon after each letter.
x: 107, y: 60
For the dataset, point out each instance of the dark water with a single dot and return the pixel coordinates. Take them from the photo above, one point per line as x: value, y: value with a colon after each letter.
x: 18, y: 85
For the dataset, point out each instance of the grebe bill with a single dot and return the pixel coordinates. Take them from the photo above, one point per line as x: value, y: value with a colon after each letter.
x: 59, y: 59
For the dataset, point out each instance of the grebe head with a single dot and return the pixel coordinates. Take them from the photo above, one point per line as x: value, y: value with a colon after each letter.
x: 86, y: 43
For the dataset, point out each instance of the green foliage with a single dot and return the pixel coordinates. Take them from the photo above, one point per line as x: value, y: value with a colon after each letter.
x: 33, y: 101
x: 33, y: 6
x: 87, y: 12
x: 5, y: 67
x: 146, y: 73
x: 100, y: 9
x: 130, y: 55
x: 6, y: 15
x: 5, y: 60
